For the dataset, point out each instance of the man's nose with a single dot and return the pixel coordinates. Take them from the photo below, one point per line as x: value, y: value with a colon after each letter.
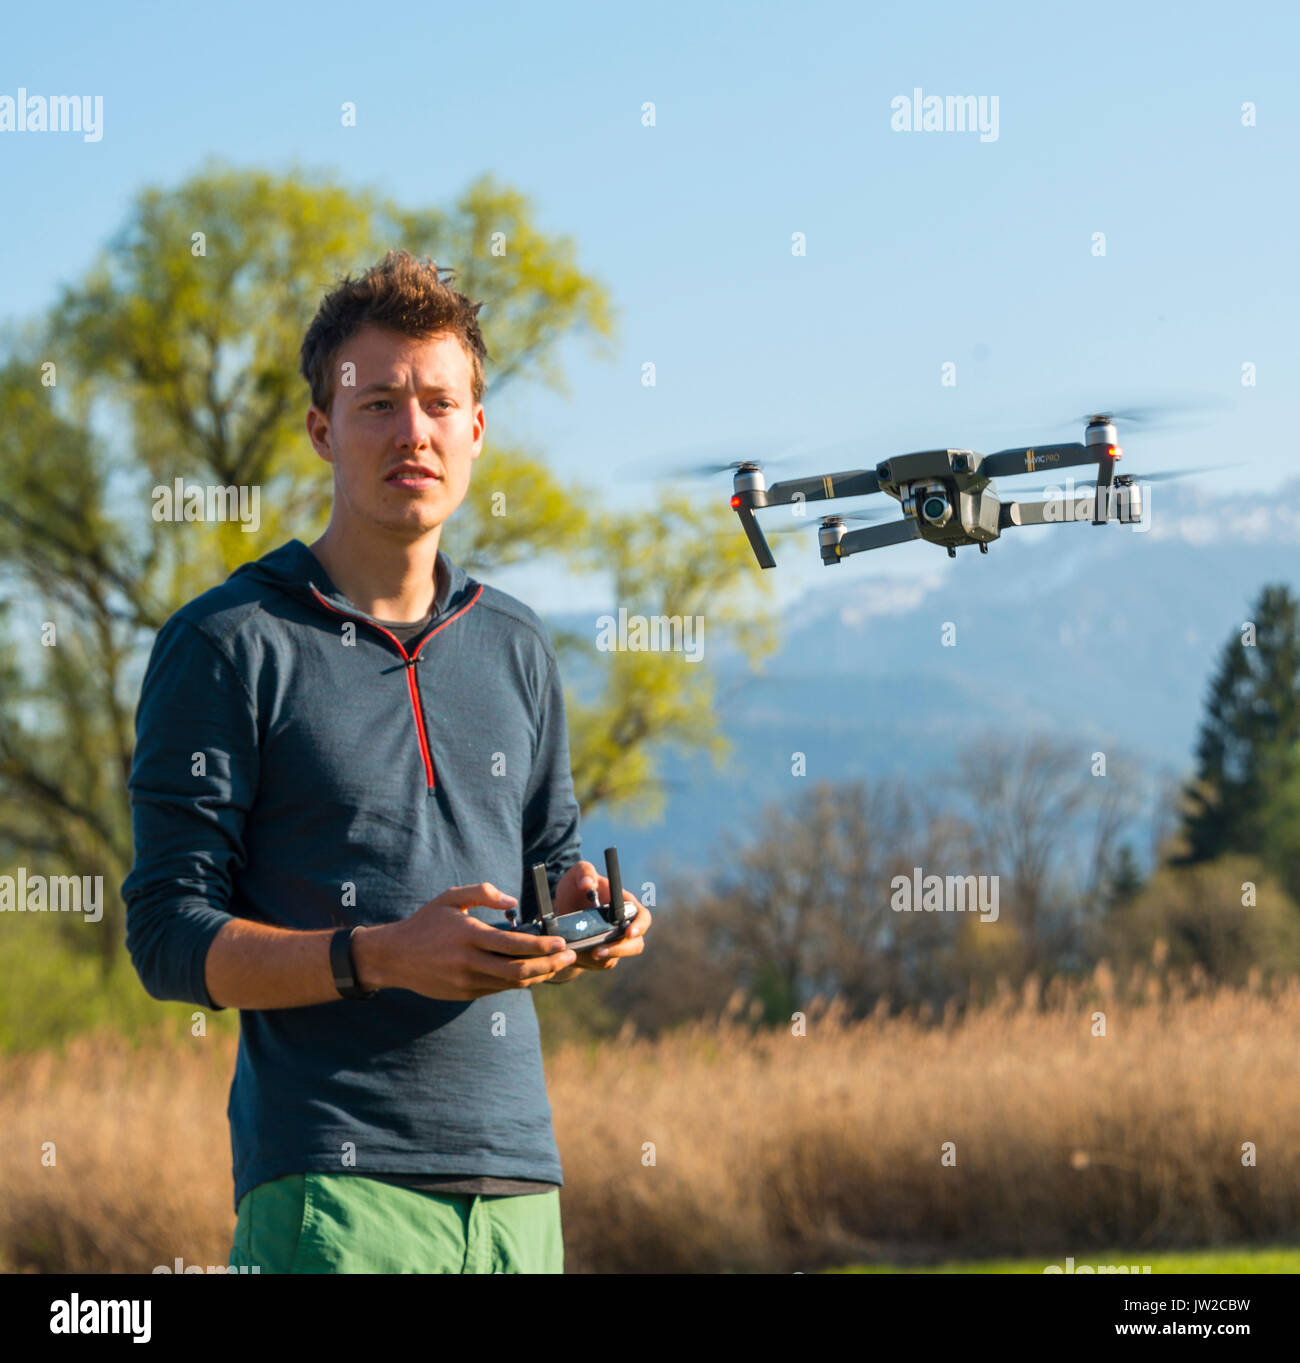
x: 414, y: 424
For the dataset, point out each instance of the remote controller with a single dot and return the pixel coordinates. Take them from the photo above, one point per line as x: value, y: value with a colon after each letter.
x: 586, y: 928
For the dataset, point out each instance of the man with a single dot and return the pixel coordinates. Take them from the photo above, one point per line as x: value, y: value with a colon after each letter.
x: 347, y: 756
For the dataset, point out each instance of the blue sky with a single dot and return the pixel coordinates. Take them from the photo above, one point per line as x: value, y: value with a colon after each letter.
x: 922, y: 248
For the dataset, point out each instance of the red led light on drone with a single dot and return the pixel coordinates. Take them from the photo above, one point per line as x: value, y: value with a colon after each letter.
x: 735, y: 502
x: 1114, y: 451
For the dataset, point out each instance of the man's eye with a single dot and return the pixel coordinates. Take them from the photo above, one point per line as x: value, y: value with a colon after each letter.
x: 378, y: 402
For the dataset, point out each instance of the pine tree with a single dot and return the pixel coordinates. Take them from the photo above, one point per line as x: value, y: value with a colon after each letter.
x: 1282, y: 831
x: 1125, y: 881
x: 1247, y: 750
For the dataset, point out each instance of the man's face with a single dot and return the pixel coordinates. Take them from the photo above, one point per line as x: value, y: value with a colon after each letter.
x: 403, y: 438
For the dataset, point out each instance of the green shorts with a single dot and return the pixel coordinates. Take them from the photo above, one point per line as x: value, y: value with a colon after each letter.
x: 345, y: 1223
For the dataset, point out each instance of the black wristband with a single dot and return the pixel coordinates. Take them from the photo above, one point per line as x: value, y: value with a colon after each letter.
x: 343, y: 967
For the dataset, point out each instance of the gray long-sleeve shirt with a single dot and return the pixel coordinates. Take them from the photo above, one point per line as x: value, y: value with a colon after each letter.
x: 294, y: 767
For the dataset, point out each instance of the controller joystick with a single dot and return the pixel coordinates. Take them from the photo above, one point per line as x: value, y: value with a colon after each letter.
x: 585, y: 928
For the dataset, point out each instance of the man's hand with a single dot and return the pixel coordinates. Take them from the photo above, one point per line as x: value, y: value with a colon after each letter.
x: 443, y: 952
x: 571, y: 897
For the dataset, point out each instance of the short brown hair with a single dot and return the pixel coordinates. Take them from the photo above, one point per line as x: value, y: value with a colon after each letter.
x: 400, y: 294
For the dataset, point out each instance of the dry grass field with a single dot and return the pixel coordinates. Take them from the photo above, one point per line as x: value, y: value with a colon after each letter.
x: 720, y: 1148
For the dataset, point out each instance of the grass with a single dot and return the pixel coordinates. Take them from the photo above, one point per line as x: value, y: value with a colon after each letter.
x: 1021, y: 1132
x: 1283, y: 1259
x: 54, y: 993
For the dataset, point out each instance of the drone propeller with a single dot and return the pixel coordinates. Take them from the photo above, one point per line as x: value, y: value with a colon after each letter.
x: 1147, y: 417
x: 805, y: 523
x: 1157, y: 416
x: 766, y: 454
x: 693, y: 462
x: 1162, y: 476
x: 712, y: 470
x: 692, y: 472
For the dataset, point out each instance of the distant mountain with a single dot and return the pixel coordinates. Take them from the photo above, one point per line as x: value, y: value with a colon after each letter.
x: 1107, y: 635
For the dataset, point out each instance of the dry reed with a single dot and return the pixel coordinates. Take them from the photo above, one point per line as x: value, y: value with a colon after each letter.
x: 724, y: 1148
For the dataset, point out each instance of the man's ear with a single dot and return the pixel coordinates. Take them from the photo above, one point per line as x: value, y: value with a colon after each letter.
x: 480, y: 419
x: 318, y: 432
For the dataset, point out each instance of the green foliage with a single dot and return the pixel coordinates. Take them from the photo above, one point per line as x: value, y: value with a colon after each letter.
x: 1124, y: 882
x: 1281, y: 825
x: 679, y: 562
x: 514, y: 511
x: 177, y: 356
x: 1250, y: 737
x: 53, y: 992
x: 1203, y: 916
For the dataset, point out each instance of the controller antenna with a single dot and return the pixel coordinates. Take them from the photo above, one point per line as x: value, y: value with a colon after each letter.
x: 616, y: 915
x: 544, y: 906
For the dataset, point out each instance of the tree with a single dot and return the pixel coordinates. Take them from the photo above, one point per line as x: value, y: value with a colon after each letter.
x: 804, y: 909
x: 1247, y: 749
x: 177, y: 357
x: 1228, y: 917
x: 1282, y: 829
x: 1034, y: 804
x: 1125, y: 881
x: 663, y: 692
x: 807, y: 906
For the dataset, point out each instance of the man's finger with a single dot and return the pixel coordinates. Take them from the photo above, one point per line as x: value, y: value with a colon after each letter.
x: 625, y: 946
x: 508, y: 943
x: 589, y: 961
x: 483, y: 894
x: 574, y: 891
x: 521, y: 968
x: 639, y: 925
x: 617, y: 953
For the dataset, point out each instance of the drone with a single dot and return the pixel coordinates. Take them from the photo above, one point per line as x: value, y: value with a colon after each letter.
x: 947, y: 496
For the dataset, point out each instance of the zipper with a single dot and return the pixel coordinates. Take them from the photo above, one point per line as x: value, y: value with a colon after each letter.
x: 410, y: 659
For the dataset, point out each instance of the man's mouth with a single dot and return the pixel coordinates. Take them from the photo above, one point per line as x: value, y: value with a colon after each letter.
x: 414, y: 477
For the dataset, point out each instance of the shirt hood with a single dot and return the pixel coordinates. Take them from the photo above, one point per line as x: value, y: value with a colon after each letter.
x: 295, y: 570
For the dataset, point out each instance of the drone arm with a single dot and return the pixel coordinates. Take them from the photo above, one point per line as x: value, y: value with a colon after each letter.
x: 1041, y: 459
x: 1027, y: 513
x: 877, y: 537
x: 1120, y: 503
x: 856, y: 483
x: 823, y: 487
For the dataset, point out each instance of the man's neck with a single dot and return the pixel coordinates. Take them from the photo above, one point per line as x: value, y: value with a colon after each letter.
x: 388, y: 579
